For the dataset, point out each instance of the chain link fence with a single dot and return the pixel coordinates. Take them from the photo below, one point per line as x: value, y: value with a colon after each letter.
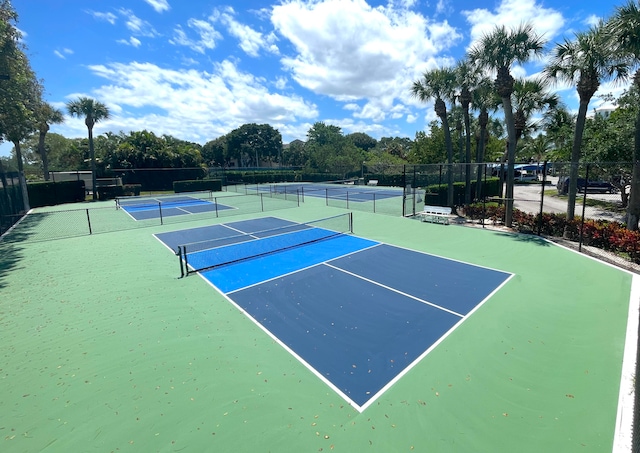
x: 43, y: 226
x: 12, y: 199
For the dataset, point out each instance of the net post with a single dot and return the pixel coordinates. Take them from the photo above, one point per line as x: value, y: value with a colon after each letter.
x: 261, y: 203
x: 179, y: 254
x: 298, y: 197
x: 160, y: 209
x: 301, y: 191
x: 326, y: 196
x: 184, y: 260
x: 374, y: 203
x: 215, y: 202
x: 347, y: 199
x: 89, y: 221
x: 351, y: 222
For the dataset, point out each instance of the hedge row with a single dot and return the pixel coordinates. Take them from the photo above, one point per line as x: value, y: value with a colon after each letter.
x: 156, y: 179
x: 197, y: 185
x: 53, y: 193
x: 111, y: 192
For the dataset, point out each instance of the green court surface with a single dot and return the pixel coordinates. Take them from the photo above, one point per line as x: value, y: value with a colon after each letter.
x: 105, y: 349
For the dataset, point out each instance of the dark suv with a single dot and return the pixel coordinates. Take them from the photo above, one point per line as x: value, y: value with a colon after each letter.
x: 592, y: 186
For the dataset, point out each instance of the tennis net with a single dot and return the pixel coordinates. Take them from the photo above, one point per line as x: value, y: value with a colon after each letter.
x: 213, y: 253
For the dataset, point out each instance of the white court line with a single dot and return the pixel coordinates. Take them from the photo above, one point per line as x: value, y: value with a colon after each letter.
x: 439, y: 307
x: 622, y: 440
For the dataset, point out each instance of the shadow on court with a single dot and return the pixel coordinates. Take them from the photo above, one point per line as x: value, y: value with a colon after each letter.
x: 526, y: 238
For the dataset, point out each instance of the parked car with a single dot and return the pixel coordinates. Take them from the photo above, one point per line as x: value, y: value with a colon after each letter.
x: 591, y: 186
x: 525, y: 176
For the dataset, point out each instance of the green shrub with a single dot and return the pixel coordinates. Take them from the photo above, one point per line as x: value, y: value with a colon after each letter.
x: 53, y: 193
x: 214, y: 185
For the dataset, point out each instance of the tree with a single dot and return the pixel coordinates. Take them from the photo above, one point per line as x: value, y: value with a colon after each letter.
x: 467, y: 78
x: 363, y: 141
x: 439, y: 84
x: 482, y: 99
x: 585, y: 61
x: 428, y: 148
x: 93, y: 111
x: 46, y: 115
x: 329, y: 151
x: 20, y: 90
x: 214, y: 152
x: 558, y: 124
x: 254, y: 143
x: 530, y: 96
x: 499, y: 51
x: 624, y: 28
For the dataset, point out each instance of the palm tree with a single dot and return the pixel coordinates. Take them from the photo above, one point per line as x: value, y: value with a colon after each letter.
x: 439, y: 84
x: 558, y: 124
x: 92, y: 111
x: 467, y: 77
x: 483, y: 99
x: 530, y: 96
x: 46, y: 115
x: 585, y: 62
x: 499, y: 51
x: 624, y: 27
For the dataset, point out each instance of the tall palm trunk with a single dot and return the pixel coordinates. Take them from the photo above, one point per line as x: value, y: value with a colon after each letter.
x: 575, y: 157
x: 43, y: 152
x: 441, y: 111
x: 483, y: 119
x: 467, y: 178
x: 511, y: 155
x: 633, y: 212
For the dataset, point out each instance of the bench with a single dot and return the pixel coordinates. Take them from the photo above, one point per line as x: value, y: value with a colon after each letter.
x: 372, y: 182
x: 435, y: 214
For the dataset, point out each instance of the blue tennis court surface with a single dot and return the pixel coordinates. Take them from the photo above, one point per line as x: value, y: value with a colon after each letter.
x: 358, y: 313
x: 351, y: 192
x: 153, y: 208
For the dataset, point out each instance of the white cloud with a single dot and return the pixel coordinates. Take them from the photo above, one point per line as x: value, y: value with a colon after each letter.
x: 194, y: 105
x: 107, y: 17
x: 349, y: 50
x: 592, y: 20
x: 159, y: 5
x: 207, y: 36
x: 63, y: 53
x: 251, y: 41
x: 547, y: 22
x: 137, y: 26
x: 134, y: 42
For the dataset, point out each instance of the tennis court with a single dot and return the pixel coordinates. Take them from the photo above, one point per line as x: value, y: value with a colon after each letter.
x: 335, y: 190
x: 331, y: 299
x: 145, y: 208
x: 105, y: 348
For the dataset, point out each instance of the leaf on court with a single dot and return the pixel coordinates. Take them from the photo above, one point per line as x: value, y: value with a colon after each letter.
x: 569, y: 395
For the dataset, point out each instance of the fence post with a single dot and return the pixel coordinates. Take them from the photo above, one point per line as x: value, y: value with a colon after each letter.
x: 544, y: 184
x: 584, y: 205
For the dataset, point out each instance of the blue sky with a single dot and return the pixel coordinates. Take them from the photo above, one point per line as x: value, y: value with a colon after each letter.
x: 198, y: 69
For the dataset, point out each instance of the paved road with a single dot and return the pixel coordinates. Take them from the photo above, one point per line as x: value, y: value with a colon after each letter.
x: 527, y: 199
